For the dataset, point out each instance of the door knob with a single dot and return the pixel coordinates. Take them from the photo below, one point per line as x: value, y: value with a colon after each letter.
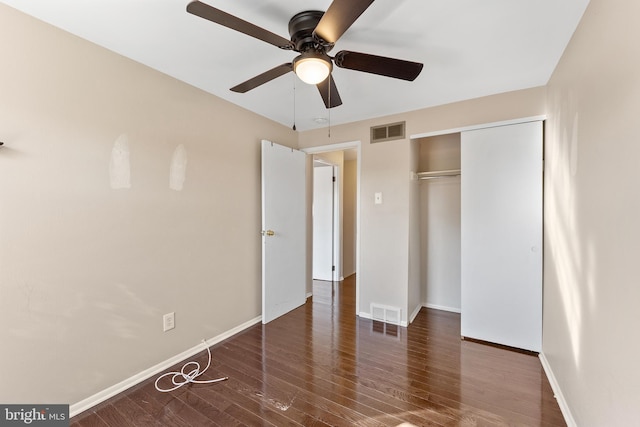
x: 268, y: 233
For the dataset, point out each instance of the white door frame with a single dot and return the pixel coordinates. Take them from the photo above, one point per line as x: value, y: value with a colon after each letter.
x: 540, y: 118
x: 357, y: 145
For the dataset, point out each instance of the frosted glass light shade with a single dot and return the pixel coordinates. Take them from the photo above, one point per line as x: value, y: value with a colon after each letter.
x: 312, y: 70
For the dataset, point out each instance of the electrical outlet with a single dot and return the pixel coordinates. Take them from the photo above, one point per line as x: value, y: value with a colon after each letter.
x: 169, y: 321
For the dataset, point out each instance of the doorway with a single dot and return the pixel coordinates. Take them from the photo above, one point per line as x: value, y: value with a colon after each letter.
x: 345, y: 160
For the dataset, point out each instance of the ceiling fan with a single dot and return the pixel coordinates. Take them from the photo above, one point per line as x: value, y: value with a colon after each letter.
x: 313, y: 34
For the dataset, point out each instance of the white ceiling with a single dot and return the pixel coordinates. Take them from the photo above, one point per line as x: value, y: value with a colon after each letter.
x: 470, y: 48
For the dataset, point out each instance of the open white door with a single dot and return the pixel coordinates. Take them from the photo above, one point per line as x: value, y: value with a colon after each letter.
x: 323, y: 222
x: 284, y: 243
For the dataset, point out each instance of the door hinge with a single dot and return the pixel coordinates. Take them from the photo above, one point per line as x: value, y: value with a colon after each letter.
x: 333, y: 268
x: 333, y: 178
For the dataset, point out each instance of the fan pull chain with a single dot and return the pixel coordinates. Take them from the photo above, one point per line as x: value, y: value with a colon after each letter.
x: 294, y: 102
x: 329, y: 129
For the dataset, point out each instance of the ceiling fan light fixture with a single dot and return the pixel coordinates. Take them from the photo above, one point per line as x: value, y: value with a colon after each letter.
x: 312, y: 68
x: 313, y: 34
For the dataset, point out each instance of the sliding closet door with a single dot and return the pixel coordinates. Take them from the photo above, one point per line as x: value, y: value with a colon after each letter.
x: 501, y: 235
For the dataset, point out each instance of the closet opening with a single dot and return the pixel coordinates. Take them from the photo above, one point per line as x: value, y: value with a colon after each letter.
x: 440, y: 214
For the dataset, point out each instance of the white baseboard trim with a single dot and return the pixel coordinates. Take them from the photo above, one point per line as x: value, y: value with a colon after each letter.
x: 107, y: 393
x: 366, y: 315
x: 564, y: 408
x: 443, y: 308
x: 309, y: 295
x: 414, y: 314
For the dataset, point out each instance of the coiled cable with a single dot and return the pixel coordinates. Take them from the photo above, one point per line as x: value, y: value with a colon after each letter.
x: 183, y: 377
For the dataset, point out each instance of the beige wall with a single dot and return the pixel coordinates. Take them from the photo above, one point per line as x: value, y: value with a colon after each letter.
x: 87, y: 271
x: 592, y: 211
x: 350, y: 218
x: 414, y: 293
x: 384, y: 239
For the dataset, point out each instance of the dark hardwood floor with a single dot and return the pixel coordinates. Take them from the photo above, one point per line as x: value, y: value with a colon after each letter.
x: 321, y: 365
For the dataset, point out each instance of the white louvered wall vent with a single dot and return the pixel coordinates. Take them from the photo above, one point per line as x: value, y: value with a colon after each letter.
x: 385, y: 313
x: 388, y: 132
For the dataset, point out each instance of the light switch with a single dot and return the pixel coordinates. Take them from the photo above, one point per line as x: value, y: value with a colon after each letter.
x: 377, y: 198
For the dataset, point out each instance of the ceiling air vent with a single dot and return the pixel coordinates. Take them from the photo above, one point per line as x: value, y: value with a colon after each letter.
x: 388, y: 132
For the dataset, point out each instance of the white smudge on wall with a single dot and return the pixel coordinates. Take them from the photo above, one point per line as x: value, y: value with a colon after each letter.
x: 573, y: 150
x: 120, y: 166
x: 178, y: 168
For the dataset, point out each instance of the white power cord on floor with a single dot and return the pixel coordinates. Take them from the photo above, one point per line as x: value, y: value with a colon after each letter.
x: 181, y: 378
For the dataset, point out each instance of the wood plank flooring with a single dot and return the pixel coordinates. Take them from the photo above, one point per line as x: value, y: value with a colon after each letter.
x: 320, y: 365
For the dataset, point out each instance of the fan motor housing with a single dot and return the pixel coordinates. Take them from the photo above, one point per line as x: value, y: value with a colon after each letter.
x: 301, y: 28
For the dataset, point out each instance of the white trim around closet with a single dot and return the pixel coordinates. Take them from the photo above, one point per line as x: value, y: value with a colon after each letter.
x: 479, y: 126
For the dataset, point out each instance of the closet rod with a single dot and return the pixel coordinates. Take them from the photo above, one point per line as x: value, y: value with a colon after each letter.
x: 439, y: 174
x: 426, y: 178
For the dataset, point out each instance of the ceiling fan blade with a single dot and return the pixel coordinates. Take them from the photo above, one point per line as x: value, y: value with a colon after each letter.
x: 339, y: 17
x: 329, y: 92
x: 223, y: 18
x: 265, y: 77
x: 381, y: 65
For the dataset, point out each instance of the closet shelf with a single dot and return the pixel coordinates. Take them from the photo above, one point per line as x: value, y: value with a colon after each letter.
x: 439, y: 174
